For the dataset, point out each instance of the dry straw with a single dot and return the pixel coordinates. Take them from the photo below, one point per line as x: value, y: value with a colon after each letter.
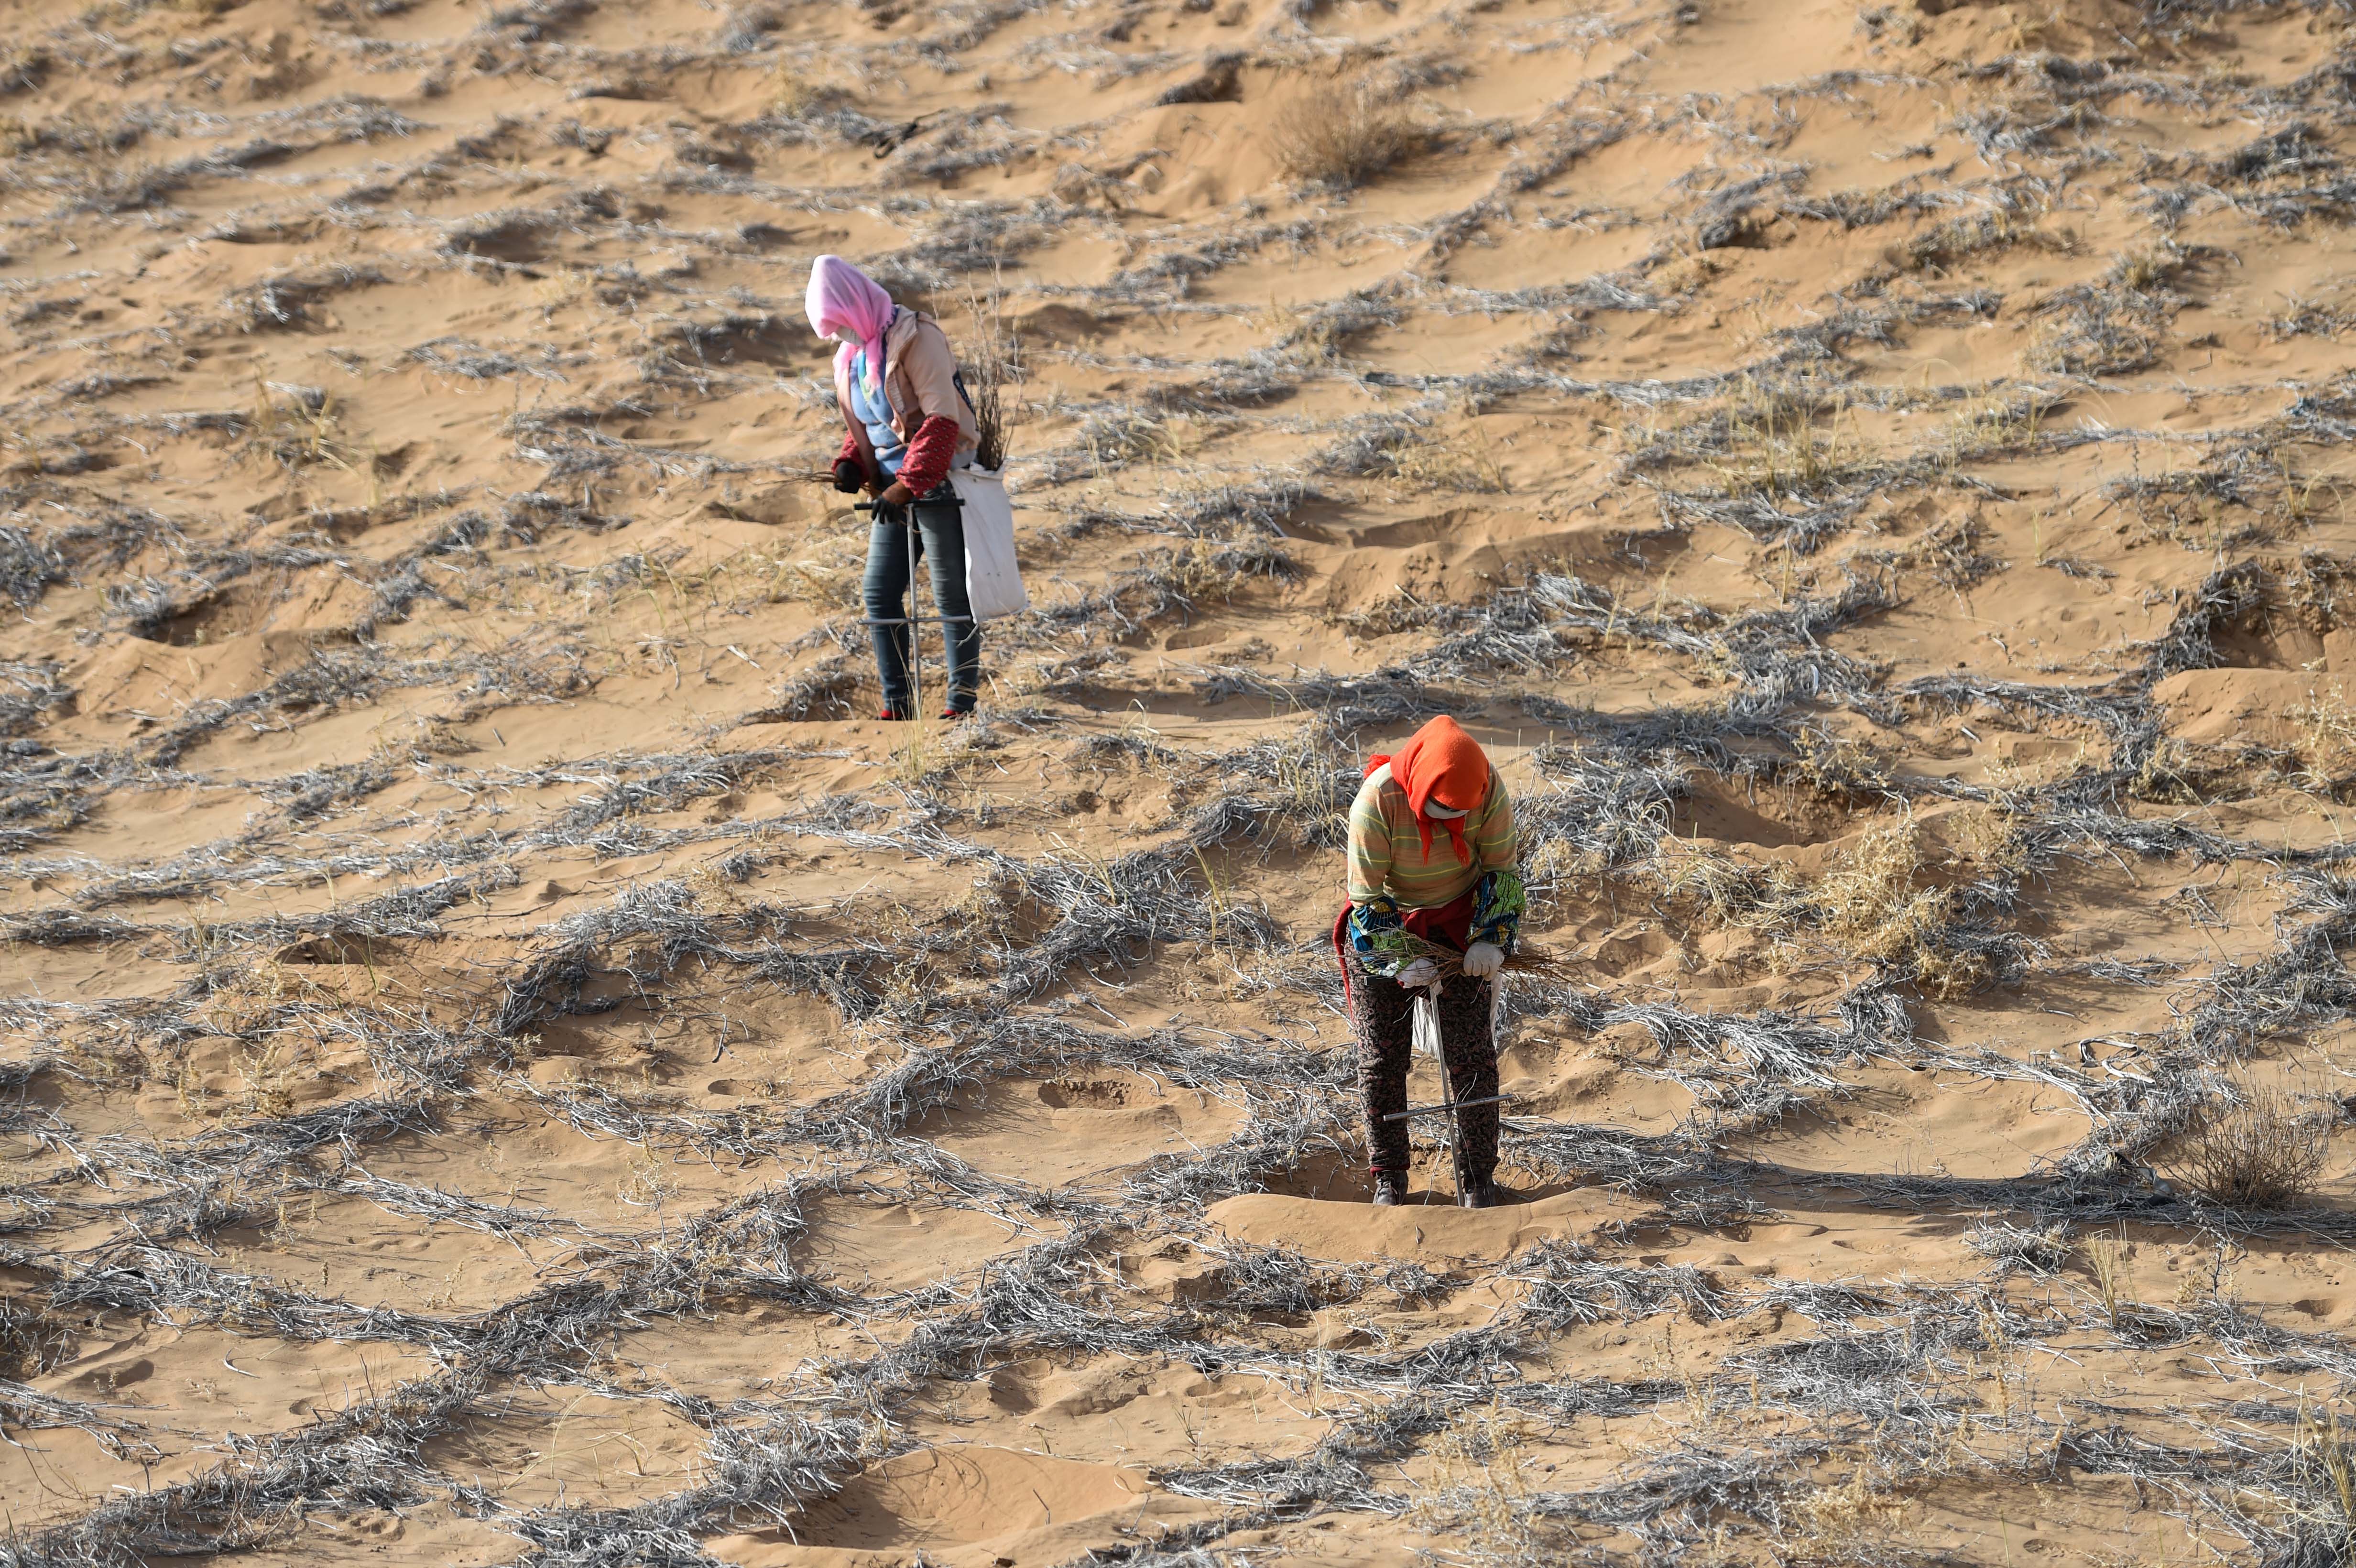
x: 993, y: 363
x: 1342, y: 137
x: 2267, y: 1151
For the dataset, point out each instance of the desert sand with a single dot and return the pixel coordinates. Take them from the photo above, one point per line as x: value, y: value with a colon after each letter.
x: 507, y: 1061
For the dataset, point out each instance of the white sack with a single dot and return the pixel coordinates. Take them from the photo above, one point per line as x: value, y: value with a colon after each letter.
x: 994, y: 583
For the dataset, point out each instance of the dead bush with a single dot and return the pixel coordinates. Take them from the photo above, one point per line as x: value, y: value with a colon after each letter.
x: 1342, y: 138
x: 2267, y: 1151
x: 1870, y: 903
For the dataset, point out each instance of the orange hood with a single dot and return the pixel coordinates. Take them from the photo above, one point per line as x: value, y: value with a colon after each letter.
x: 1440, y: 765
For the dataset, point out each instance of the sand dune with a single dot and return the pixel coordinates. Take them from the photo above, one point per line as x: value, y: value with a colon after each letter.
x: 504, y: 1061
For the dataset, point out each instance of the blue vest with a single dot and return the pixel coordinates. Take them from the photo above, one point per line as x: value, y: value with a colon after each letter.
x: 874, y: 411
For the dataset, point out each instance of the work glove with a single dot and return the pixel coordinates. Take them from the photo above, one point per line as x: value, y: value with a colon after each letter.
x: 848, y: 478
x: 1422, y: 972
x: 1484, y: 959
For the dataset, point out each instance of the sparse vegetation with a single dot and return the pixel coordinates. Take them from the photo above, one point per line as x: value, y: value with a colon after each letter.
x: 296, y: 427
x: 993, y: 364
x: 475, y: 949
x: 1342, y: 135
x: 2261, y: 1149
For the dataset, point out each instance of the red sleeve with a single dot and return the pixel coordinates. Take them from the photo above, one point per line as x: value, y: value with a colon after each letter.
x: 926, y: 462
x: 849, y: 452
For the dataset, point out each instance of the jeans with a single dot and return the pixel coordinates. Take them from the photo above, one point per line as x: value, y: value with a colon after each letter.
x: 939, y: 535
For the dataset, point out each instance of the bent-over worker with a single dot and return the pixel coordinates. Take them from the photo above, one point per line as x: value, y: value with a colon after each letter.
x: 1431, y: 867
x: 908, y: 422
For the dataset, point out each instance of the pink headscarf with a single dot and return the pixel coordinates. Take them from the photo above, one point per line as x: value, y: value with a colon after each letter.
x: 842, y: 299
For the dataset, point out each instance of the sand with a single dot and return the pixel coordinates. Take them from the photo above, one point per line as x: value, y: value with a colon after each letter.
x: 505, y: 1060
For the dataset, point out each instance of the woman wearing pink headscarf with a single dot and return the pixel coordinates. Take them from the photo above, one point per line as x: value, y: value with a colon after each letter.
x: 908, y: 422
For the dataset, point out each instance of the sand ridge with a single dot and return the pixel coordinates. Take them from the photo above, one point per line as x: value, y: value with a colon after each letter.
x: 503, y: 1060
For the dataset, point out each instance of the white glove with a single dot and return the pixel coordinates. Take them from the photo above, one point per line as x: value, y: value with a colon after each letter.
x: 1484, y: 959
x: 1422, y: 972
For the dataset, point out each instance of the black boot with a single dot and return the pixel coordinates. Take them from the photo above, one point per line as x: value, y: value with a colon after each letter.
x: 1484, y: 1193
x: 1391, y: 1189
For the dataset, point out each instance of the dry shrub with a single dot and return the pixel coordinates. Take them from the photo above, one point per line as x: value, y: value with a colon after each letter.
x: 993, y: 362
x: 1774, y: 445
x: 1730, y: 892
x: 2267, y: 1151
x: 1458, y: 460
x: 1398, y: 610
x: 1846, y: 770
x: 2327, y: 740
x: 1119, y: 437
x: 294, y: 427
x: 1342, y: 139
x: 1869, y: 903
x: 1866, y: 904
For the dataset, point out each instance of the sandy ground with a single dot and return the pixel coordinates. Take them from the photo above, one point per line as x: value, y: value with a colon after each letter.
x: 505, y: 1062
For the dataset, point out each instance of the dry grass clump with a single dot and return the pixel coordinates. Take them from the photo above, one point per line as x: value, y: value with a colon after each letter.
x: 294, y: 427
x: 1461, y: 460
x: 2327, y: 741
x: 23, y: 68
x: 1122, y: 436
x: 1844, y: 769
x: 1340, y: 139
x: 2265, y: 1151
x: 1870, y: 903
x: 2306, y: 315
x: 1842, y: 1515
x: 1775, y: 445
x: 2043, y: 1249
x: 1870, y: 906
x: 1186, y: 579
x: 2315, y: 590
x: 1417, y: 454
x: 1762, y: 440
x: 1396, y: 610
x: 1727, y: 892
x: 2113, y: 326
x: 2107, y: 1262
x: 1943, y: 246
x: 1950, y: 552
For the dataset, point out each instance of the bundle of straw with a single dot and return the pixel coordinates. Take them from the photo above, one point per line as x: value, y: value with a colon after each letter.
x: 1526, y: 958
x: 993, y: 361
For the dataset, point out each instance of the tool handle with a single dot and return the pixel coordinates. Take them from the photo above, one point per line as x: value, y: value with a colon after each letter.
x: 1452, y: 1106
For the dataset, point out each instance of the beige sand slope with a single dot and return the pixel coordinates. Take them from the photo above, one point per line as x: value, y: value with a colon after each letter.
x: 505, y: 1064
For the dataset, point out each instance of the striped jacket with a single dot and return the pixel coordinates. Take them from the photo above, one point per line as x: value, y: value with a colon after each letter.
x: 1389, y: 871
x: 1386, y: 859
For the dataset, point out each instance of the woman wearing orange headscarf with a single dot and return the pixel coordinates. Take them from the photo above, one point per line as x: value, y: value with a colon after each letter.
x: 1431, y: 866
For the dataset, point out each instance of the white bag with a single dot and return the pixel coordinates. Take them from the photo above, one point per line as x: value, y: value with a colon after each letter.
x: 994, y: 583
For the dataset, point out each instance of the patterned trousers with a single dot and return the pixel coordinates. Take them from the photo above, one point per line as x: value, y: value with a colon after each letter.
x: 1382, y: 1023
